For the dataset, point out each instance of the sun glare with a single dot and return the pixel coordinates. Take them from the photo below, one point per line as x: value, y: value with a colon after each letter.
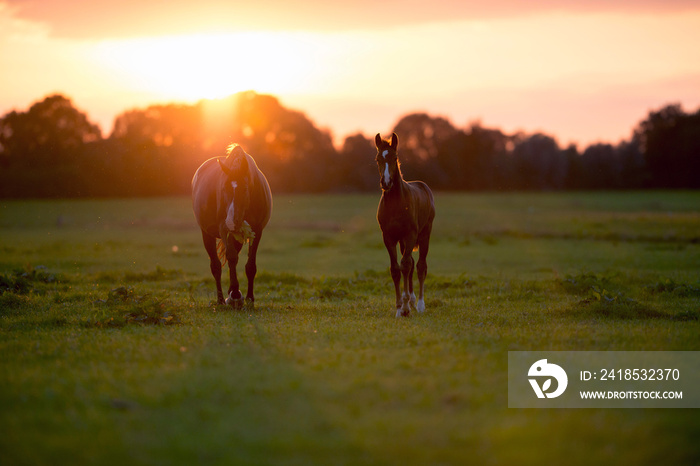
x: 210, y: 66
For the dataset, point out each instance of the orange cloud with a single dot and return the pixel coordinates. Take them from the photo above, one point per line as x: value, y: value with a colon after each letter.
x: 130, y: 18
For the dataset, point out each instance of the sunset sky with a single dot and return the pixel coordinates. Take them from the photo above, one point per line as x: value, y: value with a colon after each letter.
x: 583, y: 71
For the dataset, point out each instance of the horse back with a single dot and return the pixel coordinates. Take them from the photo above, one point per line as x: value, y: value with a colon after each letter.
x: 260, y: 199
x: 411, y: 210
x: 208, y: 201
x: 207, y: 196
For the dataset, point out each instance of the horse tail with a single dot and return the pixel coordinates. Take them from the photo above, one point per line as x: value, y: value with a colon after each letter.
x: 221, y: 250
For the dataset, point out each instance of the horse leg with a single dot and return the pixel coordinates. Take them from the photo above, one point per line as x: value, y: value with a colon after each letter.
x: 407, y: 272
x: 423, y: 245
x: 250, y: 267
x: 214, y: 264
x: 233, y: 248
x: 395, y: 271
x: 408, y: 293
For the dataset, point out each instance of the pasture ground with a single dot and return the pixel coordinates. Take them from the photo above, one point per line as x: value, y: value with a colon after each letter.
x: 113, y: 352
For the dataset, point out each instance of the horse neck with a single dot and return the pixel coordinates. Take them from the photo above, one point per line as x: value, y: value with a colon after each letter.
x: 398, y: 190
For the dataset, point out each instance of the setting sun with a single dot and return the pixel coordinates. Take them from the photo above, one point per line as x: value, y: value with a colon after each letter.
x: 583, y: 72
x: 193, y: 67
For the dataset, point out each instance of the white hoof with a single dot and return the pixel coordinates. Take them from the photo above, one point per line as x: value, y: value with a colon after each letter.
x: 420, y: 306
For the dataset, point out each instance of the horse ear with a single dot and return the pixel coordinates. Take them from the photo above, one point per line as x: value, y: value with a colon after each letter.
x: 394, y: 141
x: 378, y: 140
x: 224, y: 168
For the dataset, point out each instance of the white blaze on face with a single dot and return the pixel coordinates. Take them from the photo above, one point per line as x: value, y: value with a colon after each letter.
x: 387, y: 176
x: 231, y: 210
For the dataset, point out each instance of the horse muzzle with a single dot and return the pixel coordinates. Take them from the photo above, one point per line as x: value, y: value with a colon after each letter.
x: 234, y: 224
x: 234, y: 218
x: 230, y: 224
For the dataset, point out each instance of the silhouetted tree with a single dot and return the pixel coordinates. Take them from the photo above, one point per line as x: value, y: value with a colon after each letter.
x: 357, y: 169
x: 41, y: 149
x: 161, y: 125
x: 167, y: 143
x: 156, y: 150
x: 420, y: 137
x: 294, y: 154
x: 53, y: 150
x: 600, y: 167
x: 635, y: 173
x: 669, y: 139
x: 470, y: 159
x: 604, y: 166
x: 51, y: 131
x: 538, y: 164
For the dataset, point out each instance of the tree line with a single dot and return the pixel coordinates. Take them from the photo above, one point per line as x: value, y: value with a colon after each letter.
x: 53, y: 150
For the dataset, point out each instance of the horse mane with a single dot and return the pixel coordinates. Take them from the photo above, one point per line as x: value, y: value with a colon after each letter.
x: 398, y: 167
x: 234, y: 155
x: 231, y: 147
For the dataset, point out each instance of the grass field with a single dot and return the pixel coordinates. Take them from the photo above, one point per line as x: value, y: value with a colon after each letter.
x: 114, y: 353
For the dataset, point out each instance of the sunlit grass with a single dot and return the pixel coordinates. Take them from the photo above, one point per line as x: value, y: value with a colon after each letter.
x: 113, y: 352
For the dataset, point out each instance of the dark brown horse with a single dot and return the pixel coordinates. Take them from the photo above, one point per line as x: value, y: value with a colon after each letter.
x: 231, y: 197
x: 405, y: 214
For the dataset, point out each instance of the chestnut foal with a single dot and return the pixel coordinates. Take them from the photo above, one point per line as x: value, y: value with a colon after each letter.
x: 405, y: 215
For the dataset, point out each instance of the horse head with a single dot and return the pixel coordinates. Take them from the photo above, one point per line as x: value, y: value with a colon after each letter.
x: 236, y: 189
x: 387, y: 161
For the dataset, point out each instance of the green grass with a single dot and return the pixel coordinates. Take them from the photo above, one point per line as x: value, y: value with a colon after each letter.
x: 113, y: 352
